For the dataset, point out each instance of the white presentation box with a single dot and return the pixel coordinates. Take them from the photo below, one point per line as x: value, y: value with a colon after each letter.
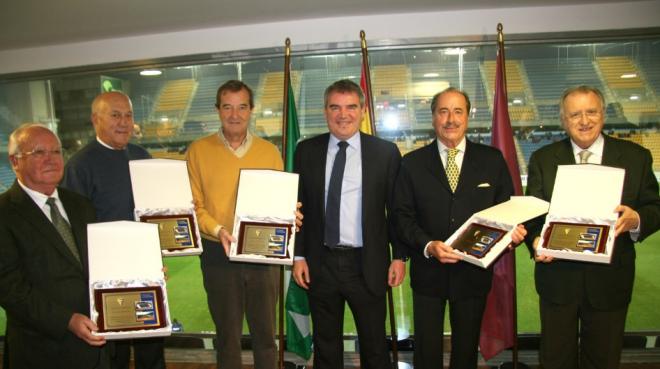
x: 127, y: 290
x: 264, y: 220
x: 584, y: 194
x: 502, y: 219
x: 162, y: 195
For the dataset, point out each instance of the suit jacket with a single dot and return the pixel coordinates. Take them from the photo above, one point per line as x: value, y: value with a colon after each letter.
x: 380, y: 163
x: 426, y: 209
x: 42, y: 284
x: 607, y: 286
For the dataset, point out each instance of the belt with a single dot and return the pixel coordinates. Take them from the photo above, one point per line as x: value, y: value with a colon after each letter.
x: 342, y: 248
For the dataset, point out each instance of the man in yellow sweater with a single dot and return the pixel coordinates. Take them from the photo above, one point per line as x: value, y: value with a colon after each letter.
x: 214, y: 163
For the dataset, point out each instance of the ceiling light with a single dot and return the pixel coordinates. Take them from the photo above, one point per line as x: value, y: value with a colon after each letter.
x: 629, y: 75
x: 431, y: 75
x: 151, y: 72
x: 455, y: 51
x: 634, y: 97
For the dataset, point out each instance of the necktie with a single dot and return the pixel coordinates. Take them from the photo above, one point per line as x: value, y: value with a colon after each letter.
x: 334, y: 196
x: 584, y: 156
x: 452, y: 169
x: 63, y: 228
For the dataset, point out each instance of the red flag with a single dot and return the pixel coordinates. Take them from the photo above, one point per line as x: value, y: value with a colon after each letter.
x: 498, y: 327
x: 366, y: 125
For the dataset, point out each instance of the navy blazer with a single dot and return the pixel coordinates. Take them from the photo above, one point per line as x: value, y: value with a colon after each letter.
x: 42, y: 284
x: 380, y: 164
x: 607, y: 286
x: 426, y: 209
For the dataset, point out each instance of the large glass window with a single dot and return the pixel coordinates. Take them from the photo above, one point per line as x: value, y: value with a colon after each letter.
x: 176, y: 107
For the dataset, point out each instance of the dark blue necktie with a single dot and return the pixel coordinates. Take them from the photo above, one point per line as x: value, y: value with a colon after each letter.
x: 334, y: 196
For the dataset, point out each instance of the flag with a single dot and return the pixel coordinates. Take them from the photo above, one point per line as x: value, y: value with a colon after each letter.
x: 366, y: 125
x: 498, y: 325
x: 298, y: 337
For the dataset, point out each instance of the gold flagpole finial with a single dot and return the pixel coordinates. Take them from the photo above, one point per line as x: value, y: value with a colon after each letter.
x: 287, y: 47
x: 500, y: 35
x: 363, y: 39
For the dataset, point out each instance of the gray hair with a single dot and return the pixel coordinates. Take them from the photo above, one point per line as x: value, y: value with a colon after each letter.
x: 18, y: 137
x: 584, y: 89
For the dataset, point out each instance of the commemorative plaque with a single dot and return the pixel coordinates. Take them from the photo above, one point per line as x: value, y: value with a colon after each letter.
x: 478, y: 239
x: 576, y: 237
x: 176, y: 231
x: 264, y: 238
x: 128, y: 309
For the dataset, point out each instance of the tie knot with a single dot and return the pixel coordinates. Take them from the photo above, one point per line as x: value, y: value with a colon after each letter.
x: 342, y: 145
x: 451, y: 153
x: 584, y: 156
x: 50, y: 201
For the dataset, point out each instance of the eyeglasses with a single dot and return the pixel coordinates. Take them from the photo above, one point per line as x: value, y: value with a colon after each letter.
x: 40, y: 153
x: 591, y: 114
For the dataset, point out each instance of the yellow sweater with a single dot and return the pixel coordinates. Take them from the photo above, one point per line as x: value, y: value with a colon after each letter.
x: 213, y: 170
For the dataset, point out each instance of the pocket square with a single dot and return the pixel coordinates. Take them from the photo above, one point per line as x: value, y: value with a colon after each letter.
x: 482, y: 185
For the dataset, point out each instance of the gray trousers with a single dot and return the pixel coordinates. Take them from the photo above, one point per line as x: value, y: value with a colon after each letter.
x: 234, y: 289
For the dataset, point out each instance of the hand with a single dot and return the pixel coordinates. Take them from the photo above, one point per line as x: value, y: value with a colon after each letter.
x: 443, y: 252
x: 299, y: 216
x: 540, y: 258
x: 164, y: 270
x: 517, y: 236
x: 82, y: 327
x: 225, y: 239
x: 396, y: 273
x: 301, y: 273
x: 628, y: 219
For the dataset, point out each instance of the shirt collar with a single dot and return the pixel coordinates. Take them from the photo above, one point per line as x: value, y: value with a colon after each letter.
x: 247, y: 141
x: 353, y: 141
x: 596, y: 148
x: 36, y: 196
x: 105, y: 144
x: 461, y: 146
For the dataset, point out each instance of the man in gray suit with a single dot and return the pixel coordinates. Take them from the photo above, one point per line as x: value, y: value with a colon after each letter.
x: 43, y: 260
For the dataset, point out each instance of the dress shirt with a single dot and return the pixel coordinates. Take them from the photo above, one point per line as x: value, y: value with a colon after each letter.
x: 596, y: 157
x: 350, y: 209
x: 242, y: 149
x: 459, y: 163
x: 40, y: 199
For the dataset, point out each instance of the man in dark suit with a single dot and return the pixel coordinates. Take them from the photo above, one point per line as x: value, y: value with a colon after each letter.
x: 439, y: 187
x: 342, y: 254
x: 578, y: 299
x: 43, y: 260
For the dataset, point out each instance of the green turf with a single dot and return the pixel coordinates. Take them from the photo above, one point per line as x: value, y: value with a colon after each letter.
x: 188, y: 301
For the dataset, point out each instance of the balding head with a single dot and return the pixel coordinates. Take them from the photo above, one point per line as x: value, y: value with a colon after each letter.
x: 112, y: 116
x: 35, y: 154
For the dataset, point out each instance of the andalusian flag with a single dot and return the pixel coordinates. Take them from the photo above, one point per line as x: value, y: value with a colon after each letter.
x: 299, y: 335
x: 367, y: 125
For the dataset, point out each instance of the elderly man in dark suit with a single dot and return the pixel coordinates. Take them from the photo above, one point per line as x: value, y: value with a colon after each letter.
x: 584, y: 300
x: 43, y: 260
x: 439, y: 187
x: 342, y: 254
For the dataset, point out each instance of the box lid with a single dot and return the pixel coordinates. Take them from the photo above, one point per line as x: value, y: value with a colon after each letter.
x: 160, y: 183
x: 267, y: 193
x: 517, y: 210
x: 587, y: 190
x: 124, y: 250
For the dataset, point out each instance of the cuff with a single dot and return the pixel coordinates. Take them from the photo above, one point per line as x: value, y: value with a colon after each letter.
x: 426, y: 248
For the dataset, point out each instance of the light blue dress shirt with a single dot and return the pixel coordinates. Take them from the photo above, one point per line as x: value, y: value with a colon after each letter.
x: 350, y: 209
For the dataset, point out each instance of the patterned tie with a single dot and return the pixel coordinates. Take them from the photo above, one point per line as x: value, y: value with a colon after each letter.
x: 334, y: 196
x: 63, y: 228
x: 584, y: 156
x: 452, y: 169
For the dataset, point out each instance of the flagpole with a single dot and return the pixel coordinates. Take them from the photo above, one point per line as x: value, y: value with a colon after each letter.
x: 515, y: 364
x: 367, y: 77
x: 285, y: 119
x: 372, y: 121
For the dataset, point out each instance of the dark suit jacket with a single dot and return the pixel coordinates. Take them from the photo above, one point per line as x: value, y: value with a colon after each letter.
x: 607, y: 286
x: 380, y: 163
x: 41, y: 283
x: 425, y: 209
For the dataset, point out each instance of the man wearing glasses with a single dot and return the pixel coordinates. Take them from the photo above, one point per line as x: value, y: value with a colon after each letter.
x: 584, y: 305
x: 43, y: 260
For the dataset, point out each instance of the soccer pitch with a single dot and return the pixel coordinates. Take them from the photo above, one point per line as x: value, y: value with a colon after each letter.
x: 187, y: 299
